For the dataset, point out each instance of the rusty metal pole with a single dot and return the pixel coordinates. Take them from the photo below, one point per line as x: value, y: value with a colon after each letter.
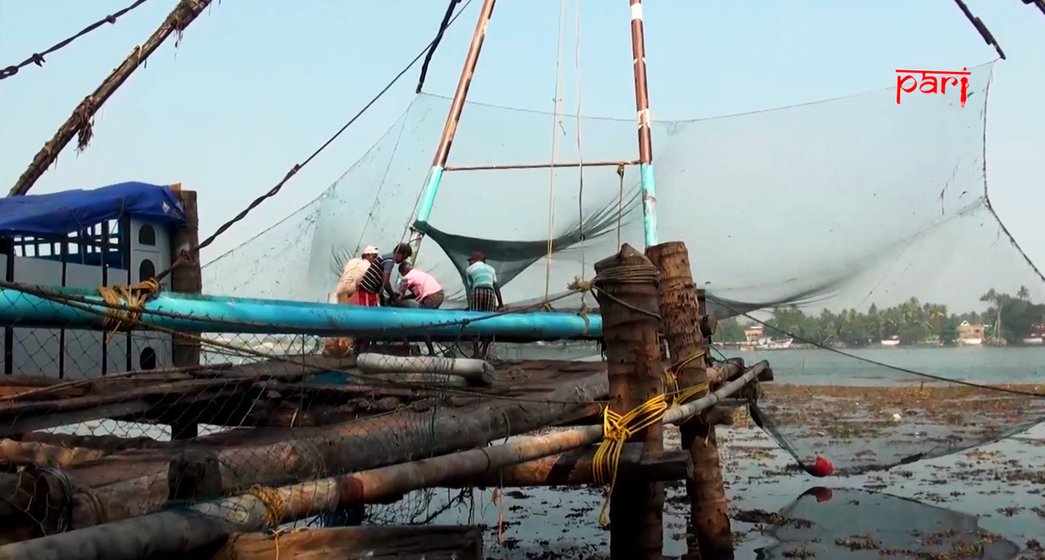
x: 79, y: 123
x: 442, y: 152
x: 628, y: 298
x: 649, y: 191
x: 709, y: 536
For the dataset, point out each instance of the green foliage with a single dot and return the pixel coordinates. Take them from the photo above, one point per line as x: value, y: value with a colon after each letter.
x: 912, y: 321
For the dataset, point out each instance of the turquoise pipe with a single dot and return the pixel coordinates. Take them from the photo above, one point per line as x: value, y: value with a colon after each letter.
x: 649, y: 204
x: 435, y: 178
x: 218, y: 314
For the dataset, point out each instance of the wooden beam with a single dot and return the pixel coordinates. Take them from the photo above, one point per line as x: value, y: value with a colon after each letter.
x: 186, y: 279
x: 413, y: 542
x: 574, y: 468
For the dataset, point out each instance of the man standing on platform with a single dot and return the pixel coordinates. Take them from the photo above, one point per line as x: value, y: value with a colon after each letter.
x: 484, y: 293
x: 376, y: 285
x: 426, y: 291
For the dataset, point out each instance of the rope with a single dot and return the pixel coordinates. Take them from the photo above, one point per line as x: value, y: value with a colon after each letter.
x: 580, y: 150
x: 556, y: 106
x: 620, y: 201
x: 671, y: 377
x: 617, y: 429
x: 275, y: 508
x: 125, y: 303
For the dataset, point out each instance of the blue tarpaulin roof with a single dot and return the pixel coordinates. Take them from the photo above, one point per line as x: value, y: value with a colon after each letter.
x: 68, y: 211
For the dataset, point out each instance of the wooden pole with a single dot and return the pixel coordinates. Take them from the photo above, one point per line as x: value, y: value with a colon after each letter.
x: 80, y: 122
x: 188, y: 279
x: 174, y: 532
x: 709, y: 535
x: 574, y: 468
x: 628, y: 298
x: 433, y: 542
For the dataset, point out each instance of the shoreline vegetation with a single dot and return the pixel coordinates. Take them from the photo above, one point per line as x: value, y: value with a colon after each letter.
x: 912, y: 323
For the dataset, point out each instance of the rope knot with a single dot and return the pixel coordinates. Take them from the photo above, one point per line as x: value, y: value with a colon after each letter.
x: 124, y: 303
x: 275, y: 508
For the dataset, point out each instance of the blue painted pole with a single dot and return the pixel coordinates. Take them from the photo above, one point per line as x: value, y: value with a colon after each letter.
x: 435, y: 178
x: 649, y: 204
x: 214, y: 314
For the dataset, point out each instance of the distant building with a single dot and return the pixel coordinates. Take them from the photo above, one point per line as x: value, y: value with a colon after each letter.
x: 970, y: 334
x: 1036, y: 335
x: 754, y: 333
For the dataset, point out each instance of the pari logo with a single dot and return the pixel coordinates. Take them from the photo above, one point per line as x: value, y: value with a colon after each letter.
x: 932, y: 81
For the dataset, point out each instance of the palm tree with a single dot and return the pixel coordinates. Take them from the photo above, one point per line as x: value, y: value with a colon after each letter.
x: 994, y: 298
x: 1023, y: 293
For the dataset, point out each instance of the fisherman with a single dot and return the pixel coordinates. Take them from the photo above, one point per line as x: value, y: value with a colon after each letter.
x: 425, y: 290
x: 352, y: 274
x: 376, y: 286
x: 484, y: 293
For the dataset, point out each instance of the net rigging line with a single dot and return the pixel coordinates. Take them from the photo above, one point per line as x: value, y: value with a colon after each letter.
x: 878, y: 363
x: 556, y: 109
x: 184, y: 257
x: 38, y: 58
x: 435, y: 44
x: 981, y: 27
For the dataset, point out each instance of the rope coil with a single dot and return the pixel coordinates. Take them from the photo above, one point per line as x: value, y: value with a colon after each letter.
x: 124, y: 303
x: 275, y: 507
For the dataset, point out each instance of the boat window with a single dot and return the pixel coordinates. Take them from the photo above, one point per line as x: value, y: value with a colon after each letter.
x: 147, y: 235
x: 146, y: 270
x: 147, y: 358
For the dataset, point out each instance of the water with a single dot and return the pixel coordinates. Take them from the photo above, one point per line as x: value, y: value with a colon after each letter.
x: 1017, y: 365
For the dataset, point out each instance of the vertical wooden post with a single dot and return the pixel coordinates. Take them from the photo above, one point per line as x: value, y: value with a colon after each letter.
x: 188, y: 279
x: 709, y: 536
x: 628, y: 299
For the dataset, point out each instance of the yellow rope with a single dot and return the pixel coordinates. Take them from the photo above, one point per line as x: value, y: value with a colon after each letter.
x: 672, y: 380
x: 279, y: 532
x: 273, y: 502
x: 617, y: 429
x: 132, y: 297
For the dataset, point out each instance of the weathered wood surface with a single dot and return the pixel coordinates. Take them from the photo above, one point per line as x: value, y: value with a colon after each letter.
x: 146, y: 393
x: 233, y: 461
x: 175, y: 532
x: 630, y: 327
x: 709, y: 535
x: 574, y: 468
x: 360, y: 543
x: 45, y: 455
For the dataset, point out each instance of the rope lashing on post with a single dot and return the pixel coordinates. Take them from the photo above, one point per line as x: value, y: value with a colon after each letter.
x: 671, y: 378
x: 275, y: 508
x: 132, y: 297
x: 617, y: 429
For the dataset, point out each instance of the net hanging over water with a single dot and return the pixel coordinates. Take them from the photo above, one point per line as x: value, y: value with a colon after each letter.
x: 853, y: 235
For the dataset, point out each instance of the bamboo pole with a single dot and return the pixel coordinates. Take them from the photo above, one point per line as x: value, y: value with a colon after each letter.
x: 627, y: 294
x: 174, y: 532
x: 432, y: 542
x: 187, y: 279
x: 709, y: 535
x: 80, y: 122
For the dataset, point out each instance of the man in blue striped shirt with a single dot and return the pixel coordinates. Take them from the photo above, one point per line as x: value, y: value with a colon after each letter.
x: 484, y: 293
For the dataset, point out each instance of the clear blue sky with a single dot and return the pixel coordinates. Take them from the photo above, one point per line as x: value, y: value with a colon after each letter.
x: 255, y: 85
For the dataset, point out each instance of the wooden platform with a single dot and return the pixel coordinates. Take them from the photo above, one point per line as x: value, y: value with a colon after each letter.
x: 285, y: 427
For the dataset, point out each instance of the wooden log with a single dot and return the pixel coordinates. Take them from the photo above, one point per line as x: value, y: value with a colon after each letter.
x: 709, y: 535
x: 45, y: 455
x: 436, y: 379
x: 79, y: 123
x: 277, y: 456
x: 108, y: 444
x: 432, y: 542
x: 186, y: 278
x: 629, y: 300
x: 175, y: 532
x: 574, y: 468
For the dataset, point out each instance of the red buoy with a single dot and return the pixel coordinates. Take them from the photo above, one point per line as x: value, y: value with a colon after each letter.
x: 822, y: 467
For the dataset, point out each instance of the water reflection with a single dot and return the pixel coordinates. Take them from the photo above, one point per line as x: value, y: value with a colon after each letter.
x: 846, y: 524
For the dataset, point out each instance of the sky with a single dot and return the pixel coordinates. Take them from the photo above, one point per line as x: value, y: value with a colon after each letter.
x: 253, y: 87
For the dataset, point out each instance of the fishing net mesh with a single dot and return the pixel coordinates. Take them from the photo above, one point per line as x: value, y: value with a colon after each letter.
x: 834, y: 230
x: 850, y: 243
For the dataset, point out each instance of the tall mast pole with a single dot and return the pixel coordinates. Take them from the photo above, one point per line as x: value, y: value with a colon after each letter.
x: 649, y: 192
x: 435, y: 174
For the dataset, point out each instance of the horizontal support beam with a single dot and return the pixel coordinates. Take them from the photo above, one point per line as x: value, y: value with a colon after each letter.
x: 220, y: 314
x: 509, y: 166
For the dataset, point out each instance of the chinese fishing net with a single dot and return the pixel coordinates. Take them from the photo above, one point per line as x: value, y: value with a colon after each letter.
x: 850, y: 242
